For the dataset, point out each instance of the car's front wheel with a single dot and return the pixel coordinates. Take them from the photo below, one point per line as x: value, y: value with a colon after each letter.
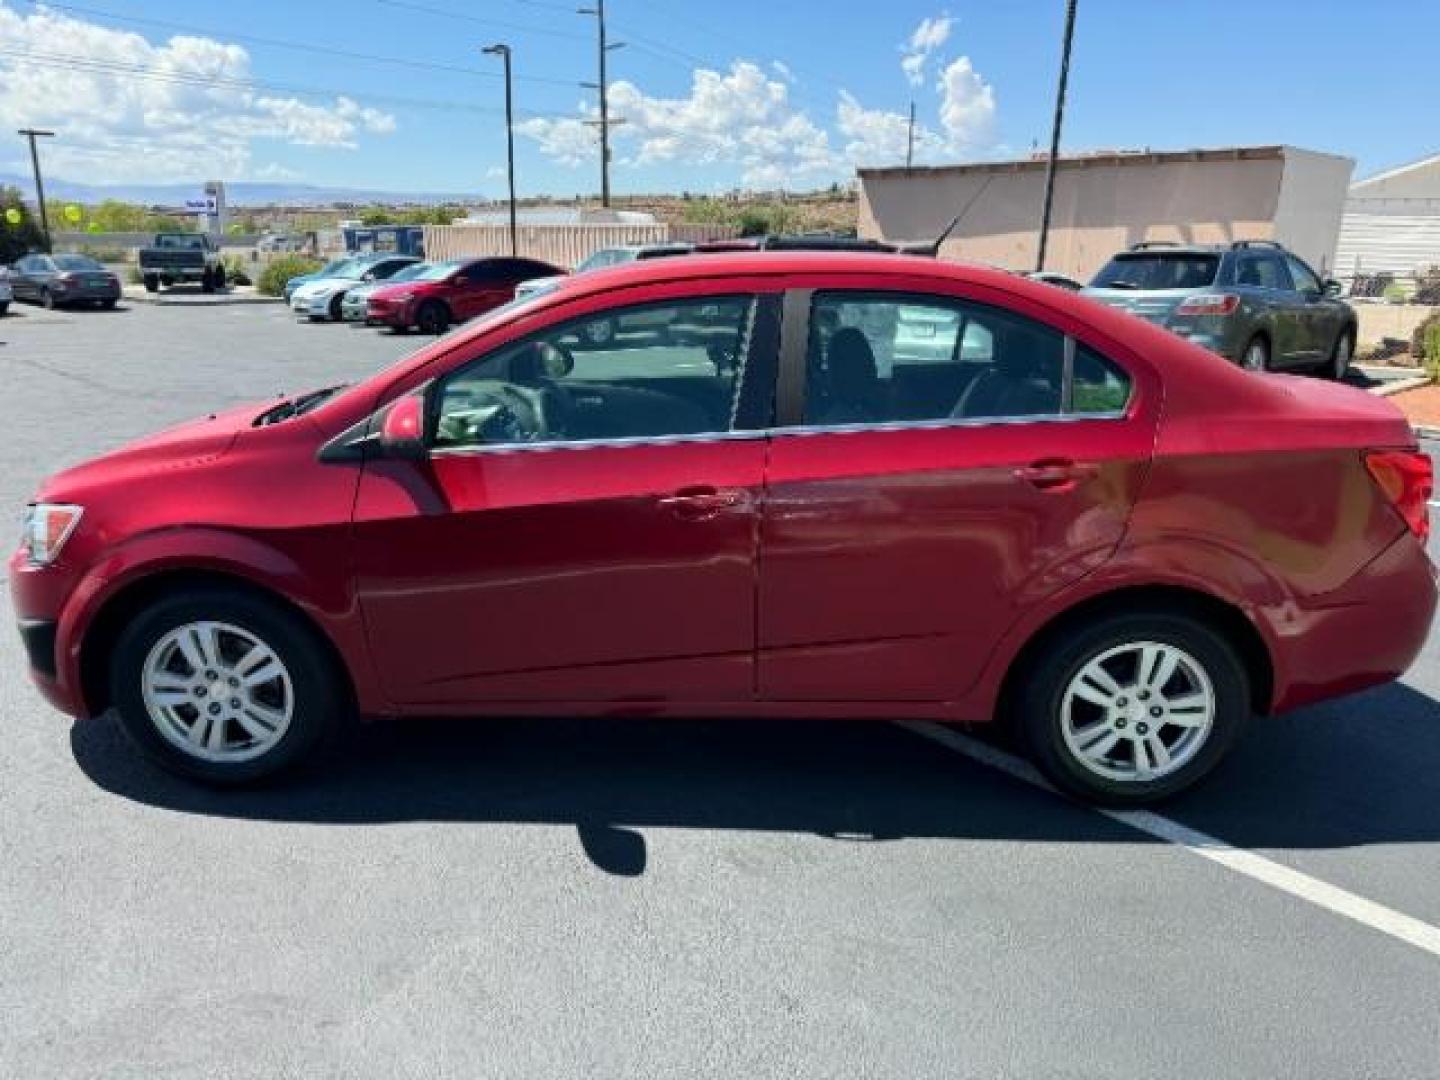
x: 224, y: 686
x: 1342, y: 354
x: 1133, y: 708
x: 432, y: 318
x: 336, y: 315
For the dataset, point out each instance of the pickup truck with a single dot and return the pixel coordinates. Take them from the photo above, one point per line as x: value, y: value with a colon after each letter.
x: 182, y: 256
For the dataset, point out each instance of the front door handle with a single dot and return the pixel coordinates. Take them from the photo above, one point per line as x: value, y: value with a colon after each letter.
x: 698, y: 503
x: 1056, y: 474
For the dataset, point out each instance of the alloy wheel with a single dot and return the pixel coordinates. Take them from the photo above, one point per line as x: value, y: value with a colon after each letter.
x: 1256, y: 356
x: 1344, y: 351
x: 1138, y: 712
x: 217, y: 692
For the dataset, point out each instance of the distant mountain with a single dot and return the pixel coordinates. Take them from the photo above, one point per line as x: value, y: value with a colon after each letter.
x: 240, y: 193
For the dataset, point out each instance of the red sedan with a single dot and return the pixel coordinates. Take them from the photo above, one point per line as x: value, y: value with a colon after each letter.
x: 791, y: 484
x: 451, y: 292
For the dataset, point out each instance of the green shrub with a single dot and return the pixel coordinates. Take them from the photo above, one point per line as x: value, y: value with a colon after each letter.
x: 280, y: 270
x: 1395, y: 293
x: 1432, y: 348
x: 237, y: 271
x: 1421, y: 341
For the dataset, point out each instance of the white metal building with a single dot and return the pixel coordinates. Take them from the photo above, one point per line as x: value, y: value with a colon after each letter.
x: 1391, y: 223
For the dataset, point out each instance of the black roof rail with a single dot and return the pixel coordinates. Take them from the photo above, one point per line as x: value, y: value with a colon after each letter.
x: 1239, y: 244
x: 822, y: 242
x: 1146, y: 245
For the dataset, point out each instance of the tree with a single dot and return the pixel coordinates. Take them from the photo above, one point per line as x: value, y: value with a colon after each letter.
x: 17, y: 238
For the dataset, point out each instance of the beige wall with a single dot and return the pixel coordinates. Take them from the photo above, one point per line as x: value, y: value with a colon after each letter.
x: 1312, y: 201
x: 1102, y: 207
x: 560, y: 245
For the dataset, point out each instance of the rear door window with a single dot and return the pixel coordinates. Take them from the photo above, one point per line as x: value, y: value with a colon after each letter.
x: 878, y: 359
x: 1153, y: 270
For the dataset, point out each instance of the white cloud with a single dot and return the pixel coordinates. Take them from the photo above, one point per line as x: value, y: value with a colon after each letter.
x: 740, y: 117
x: 119, y: 127
x: 877, y: 137
x: 930, y: 35
x: 967, y: 106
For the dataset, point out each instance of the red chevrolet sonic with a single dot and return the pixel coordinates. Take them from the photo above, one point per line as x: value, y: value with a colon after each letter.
x: 786, y: 484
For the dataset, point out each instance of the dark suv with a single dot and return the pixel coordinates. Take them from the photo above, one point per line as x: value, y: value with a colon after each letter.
x: 1251, y: 301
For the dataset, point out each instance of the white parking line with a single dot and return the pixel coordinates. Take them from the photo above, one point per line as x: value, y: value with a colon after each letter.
x: 1278, y: 876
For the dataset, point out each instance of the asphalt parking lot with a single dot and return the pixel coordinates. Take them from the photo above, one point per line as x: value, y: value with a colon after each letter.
x: 643, y: 898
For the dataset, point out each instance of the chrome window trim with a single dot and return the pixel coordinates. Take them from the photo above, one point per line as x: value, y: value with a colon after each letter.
x: 774, y: 433
x: 587, y: 444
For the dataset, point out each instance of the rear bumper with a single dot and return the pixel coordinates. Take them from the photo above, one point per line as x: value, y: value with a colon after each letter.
x: 1365, y: 633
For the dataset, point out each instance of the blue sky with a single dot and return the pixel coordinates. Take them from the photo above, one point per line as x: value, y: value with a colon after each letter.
x: 718, y: 95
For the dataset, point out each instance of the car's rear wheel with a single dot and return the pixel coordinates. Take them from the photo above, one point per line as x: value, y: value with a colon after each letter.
x: 1133, y: 708
x: 219, y: 277
x: 432, y: 318
x: 109, y: 303
x: 207, y: 282
x: 4, y: 308
x: 336, y: 315
x: 1342, y: 354
x: 47, y: 299
x: 1256, y: 356
x: 152, y: 283
x: 224, y: 686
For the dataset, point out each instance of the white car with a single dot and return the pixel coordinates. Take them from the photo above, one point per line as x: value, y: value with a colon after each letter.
x: 616, y: 256
x: 7, y: 293
x: 320, y: 300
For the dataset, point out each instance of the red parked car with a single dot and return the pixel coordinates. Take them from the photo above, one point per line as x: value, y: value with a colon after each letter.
x: 795, y: 484
x: 451, y: 292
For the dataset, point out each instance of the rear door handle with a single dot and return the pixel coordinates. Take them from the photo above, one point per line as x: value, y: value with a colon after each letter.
x: 697, y: 503
x: 1056, y: 474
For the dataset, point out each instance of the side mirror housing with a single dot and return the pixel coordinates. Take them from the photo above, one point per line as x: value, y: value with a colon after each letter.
x: 369, y: 276
x: 1333, y: 287
x: 402, y: 429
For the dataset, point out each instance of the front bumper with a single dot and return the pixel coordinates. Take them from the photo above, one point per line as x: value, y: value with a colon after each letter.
x: 311, y: 307
x: 40, y: 595
x: 388, y: 314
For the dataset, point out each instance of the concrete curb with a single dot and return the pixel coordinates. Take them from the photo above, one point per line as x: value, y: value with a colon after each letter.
x: 1399, y: 386
x: 199, y: 299
x: 1424, y: 432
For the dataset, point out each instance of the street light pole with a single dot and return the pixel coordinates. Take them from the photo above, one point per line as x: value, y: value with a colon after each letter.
x: 1055, y: 134
x: 32, y: 134
x: 503, y: 51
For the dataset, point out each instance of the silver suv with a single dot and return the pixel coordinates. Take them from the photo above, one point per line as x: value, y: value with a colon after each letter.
x: 1251, y: 301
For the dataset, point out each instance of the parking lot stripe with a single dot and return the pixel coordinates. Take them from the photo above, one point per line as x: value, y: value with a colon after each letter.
x: 1278, y: 876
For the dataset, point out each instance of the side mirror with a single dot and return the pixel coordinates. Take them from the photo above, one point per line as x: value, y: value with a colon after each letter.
x: 368, y: 276
x: 402, y: 429
x: 1333, y: 287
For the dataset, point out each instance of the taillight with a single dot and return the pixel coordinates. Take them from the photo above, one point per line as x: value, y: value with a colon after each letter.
x: 1407, y: 479
x: 1209, y: 304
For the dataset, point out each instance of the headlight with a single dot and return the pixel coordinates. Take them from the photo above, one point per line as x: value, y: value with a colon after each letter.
x: 47, y: 527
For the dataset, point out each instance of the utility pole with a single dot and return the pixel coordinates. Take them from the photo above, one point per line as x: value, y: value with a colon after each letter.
x: 910, y: 140
x: 503, y: 51
x: 32, y: 134
x: 603, y: 88
x: 1055, y: 134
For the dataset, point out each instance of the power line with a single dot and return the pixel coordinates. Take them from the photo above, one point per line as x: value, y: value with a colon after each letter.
x: 322, y: 50
x: 462, y: 17
x: 123, y: 69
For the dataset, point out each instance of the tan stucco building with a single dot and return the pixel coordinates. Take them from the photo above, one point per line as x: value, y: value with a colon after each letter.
x: 1392, y: 222
x: 1106, y: 202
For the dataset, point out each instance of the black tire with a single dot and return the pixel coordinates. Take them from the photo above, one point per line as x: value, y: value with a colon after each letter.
x: 432, y: 318
x: 152, y: 283
x: 1341, y: 354
x: 109, y: 305
x: 336, y: 315
x: 4, y: 308
x: 1256, y: 355
x: 320, y: 704
x: 207, y: 282
x: 219, y: 277
x: 1042, y: 686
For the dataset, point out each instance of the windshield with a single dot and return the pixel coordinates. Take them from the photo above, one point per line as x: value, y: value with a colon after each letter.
x: 1152, y: 270
x: 180, y: 242
x: 408, y: 273
x: 350, y: 268
x: 332, y: 269
x: 605, y: 257
x: 436, y: 271
x: 77, y: 262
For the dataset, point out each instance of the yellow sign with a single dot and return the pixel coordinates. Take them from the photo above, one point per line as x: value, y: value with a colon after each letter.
x: 73, y: 214
x: 13, y: 216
